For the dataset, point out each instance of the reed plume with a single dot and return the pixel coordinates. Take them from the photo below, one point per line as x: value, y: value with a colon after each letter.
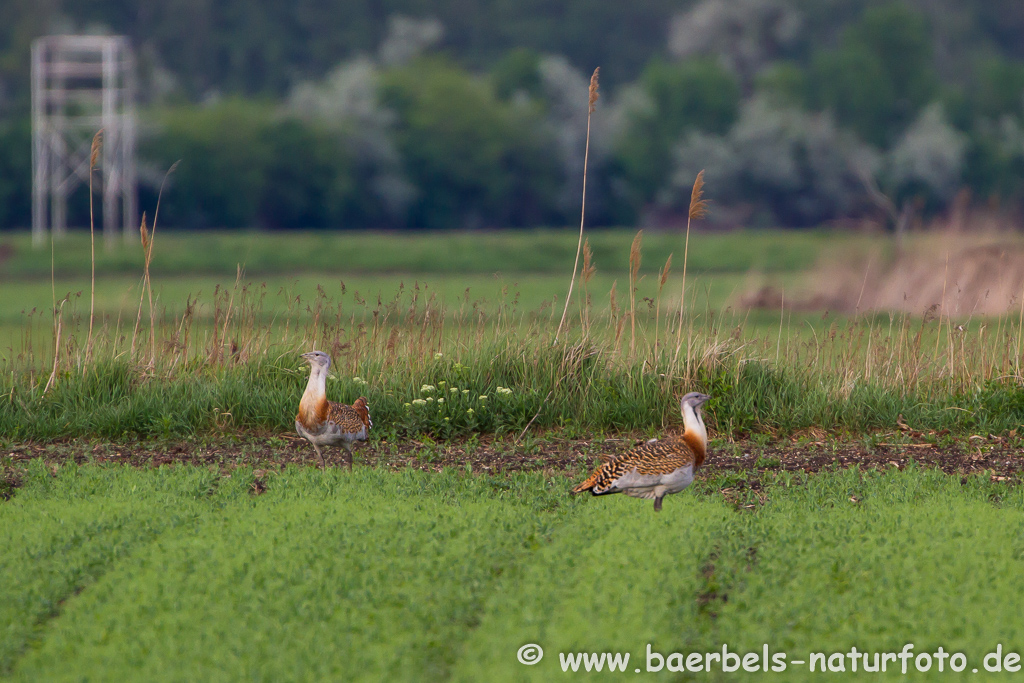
x: 591, y: 102
x: 698, y: 209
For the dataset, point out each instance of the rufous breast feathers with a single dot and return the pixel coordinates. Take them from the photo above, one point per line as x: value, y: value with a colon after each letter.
x: 313, y: 411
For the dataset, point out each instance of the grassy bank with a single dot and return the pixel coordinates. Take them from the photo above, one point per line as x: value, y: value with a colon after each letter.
x: 171, y: 574
x: 184, y: 365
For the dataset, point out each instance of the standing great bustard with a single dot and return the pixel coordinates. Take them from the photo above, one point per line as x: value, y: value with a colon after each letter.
x: 656, y: 468
x: 326, y: 423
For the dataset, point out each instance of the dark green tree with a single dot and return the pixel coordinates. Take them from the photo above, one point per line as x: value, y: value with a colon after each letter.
x: 696, y: 94
x: 880, y: 76
x: 474, y: 160
x: 224, y: 156
x: 15, y: 173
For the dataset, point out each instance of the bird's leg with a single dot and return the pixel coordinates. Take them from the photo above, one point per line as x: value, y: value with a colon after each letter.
x: 657, y: 503
x: 320, y: 457
x: 349, y: 449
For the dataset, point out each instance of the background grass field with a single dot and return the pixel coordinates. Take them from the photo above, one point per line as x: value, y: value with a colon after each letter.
x: 181, y: 574
x: 530, y: 267
x: 218, y: 347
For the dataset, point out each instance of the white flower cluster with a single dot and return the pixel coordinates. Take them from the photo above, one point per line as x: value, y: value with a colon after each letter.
x: 504, y: 391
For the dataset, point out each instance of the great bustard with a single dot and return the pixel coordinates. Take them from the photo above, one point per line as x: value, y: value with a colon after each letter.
x: 656, y: 468
x: 326, y: 423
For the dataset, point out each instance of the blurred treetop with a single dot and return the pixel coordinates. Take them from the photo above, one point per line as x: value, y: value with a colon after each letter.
x: 263, y: 47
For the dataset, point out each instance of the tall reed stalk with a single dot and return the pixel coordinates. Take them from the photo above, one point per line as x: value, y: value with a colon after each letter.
x: 94, y: 152
x: 634, y: 269
x: 147, y: 285
x: 657, y: 305
x: 592, y: 101
x: 698, y: 209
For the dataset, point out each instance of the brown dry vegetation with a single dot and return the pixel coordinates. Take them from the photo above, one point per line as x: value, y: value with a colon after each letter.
x: 958, y: 273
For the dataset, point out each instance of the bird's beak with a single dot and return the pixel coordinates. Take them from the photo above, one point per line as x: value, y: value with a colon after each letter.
x: 308, y: 357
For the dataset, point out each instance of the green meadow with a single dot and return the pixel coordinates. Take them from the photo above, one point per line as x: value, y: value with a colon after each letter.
x: 210, y: 341
x: 174, y: 574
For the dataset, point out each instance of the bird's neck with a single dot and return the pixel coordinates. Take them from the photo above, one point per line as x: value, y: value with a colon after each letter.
x: 317, y: 385
x: 313, y: 405
x: 695, y: 435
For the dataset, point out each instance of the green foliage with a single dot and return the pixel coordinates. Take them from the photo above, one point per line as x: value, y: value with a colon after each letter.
x: 517, y: 72
x: 999, y: 88
x: 880, y: 76
x: 476, y: 161
x: 242, y: 166
x: 697, y: 94
x: 309, y: 181
x: 223, y: 153
x: 15, y: 173
x: 785, y: 83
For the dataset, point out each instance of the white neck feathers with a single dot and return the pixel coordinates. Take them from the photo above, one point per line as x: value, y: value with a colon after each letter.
x: 694, y: 424
x: 317, y: 385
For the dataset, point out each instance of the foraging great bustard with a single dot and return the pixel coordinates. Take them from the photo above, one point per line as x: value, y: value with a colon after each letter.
x: 656, y: 468
x: 326, y: 423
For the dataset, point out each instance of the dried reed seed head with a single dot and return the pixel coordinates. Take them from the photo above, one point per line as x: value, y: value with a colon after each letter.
x: 613, y: 299
x: 634, y: 252
x: 588, y: 262
x: 665, y: 270
x: 593, y: 89
x: 142, y: 230
x: 698, y: 206
x: 97, y: 145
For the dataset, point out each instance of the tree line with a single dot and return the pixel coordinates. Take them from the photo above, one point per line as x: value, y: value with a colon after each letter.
x: 800, y: 112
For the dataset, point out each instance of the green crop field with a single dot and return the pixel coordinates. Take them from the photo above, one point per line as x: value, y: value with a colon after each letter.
x: 453, y: 546
x: 175, y: 574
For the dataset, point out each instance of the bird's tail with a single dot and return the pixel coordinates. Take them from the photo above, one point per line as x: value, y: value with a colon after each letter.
x: 587, y: 484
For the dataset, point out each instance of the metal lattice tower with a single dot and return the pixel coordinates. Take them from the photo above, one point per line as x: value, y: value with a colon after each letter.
x: 81, y: 84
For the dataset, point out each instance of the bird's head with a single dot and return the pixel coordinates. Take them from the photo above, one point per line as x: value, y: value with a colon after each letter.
x: 694, y: 400
x: 318, y: 359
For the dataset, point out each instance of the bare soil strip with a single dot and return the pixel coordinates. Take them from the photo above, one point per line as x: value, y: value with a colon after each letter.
x: 1000, y: 457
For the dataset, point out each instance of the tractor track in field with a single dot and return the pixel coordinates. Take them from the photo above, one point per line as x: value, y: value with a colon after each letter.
x: 745, y: 462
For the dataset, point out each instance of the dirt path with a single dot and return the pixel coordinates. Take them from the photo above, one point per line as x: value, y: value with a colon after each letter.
x: 1000, y: 457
